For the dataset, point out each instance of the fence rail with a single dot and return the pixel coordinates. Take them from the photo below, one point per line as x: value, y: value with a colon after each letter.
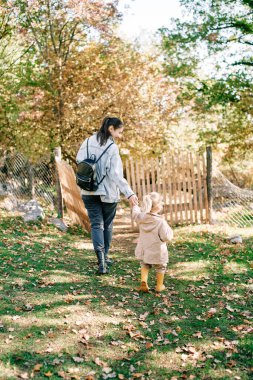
x: 180, y: 178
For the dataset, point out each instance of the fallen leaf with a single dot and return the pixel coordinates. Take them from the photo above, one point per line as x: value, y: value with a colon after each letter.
x: 62, y: 374
x: 184, y: 357
x: 198, y: 335
x: 56, y: 361
x: 97, y: 361
x: 107, y: 369
x: 144, y: 316
x: 27, y: 307
x: 77, y: 359
x: 24, y: 375
x: 48, y: 374
x: 37, y: 367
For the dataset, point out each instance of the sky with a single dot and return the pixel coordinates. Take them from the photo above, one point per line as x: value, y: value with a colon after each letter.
x: 146, y: 16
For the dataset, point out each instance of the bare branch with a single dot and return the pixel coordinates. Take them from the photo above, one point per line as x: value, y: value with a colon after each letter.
x: 70, y: 42
x: 17, y: 59
x: 51, y: 27
x: 246, y: 63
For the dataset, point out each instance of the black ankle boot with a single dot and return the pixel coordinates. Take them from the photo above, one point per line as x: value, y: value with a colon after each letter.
x: 109, y: 262
x: 101, y: 263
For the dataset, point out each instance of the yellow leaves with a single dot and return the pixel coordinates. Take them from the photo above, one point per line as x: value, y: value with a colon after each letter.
x: 48, y: 374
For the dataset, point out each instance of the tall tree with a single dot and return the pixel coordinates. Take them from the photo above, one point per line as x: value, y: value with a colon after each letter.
x: 220, y: 34
x: 53, y: 30
x: 75, y: 72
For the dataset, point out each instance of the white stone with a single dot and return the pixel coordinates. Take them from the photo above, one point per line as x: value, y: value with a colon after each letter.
x: 10, y: 203
x: 58, y: 223
x: 237, y: 239
x: 33, y: 211
x: 3, y: 190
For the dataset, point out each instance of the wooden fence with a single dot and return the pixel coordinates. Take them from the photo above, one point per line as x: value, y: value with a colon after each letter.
x: 71, y: 194
x: 180, y: 178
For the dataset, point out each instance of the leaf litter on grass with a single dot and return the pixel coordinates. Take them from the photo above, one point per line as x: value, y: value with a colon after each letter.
x: 62, y: 321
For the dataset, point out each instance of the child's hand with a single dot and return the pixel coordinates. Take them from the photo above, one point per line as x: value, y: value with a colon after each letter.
x: 133, y: 200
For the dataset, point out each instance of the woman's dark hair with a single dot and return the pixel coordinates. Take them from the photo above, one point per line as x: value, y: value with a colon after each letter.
x: 103, y: 133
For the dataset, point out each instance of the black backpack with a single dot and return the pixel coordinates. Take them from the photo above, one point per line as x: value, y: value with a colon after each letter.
x: 86, y: 174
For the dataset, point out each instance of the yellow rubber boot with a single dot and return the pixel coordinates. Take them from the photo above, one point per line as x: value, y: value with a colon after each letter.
x: 159, y: 282
x: 144, y: 280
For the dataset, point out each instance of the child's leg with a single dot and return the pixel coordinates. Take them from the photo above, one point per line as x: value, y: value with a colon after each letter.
x: 160, y: 272
x: 144, y: 277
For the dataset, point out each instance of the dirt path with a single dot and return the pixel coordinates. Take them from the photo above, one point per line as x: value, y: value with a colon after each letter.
x: 124, y: 238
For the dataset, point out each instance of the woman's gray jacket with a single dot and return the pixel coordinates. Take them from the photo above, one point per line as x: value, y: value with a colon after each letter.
x: 110, y: 166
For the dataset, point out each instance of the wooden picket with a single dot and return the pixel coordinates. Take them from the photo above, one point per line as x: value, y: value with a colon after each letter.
x: 179, y: 178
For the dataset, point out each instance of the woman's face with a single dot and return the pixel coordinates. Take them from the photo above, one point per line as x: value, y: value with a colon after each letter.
x: 116, y: 133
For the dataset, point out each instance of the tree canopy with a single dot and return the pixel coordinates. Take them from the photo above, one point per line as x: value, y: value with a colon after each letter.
x: 209, y: 53
x: 63, y: 69
x: 71, y: 71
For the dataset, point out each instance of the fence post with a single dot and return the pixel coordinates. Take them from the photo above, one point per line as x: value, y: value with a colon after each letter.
x: 209, y: 170
x: 57, y: 154
x: 31, y: 182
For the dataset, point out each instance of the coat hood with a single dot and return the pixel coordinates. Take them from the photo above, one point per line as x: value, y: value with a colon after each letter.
x: 150, y: 222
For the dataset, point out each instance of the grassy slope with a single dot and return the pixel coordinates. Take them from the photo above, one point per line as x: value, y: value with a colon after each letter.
x: 59, y: 320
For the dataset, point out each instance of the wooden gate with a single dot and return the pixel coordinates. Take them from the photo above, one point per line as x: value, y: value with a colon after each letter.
x: 180, y: 178
x: 71, y: 195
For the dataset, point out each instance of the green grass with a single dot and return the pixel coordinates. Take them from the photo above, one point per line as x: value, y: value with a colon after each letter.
x: 59, y: 320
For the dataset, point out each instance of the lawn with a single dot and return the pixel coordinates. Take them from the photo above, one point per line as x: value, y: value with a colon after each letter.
x: 61, y: 321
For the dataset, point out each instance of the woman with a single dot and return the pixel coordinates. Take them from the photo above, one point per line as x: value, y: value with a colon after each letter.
x: 102, y: 203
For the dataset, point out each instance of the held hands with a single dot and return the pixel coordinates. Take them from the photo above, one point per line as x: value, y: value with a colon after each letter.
x: 133, y: 200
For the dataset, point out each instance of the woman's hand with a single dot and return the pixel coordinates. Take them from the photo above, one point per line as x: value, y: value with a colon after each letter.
x: 133, y: 200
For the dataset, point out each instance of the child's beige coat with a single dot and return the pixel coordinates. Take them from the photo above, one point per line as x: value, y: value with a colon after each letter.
x: 154, y: 233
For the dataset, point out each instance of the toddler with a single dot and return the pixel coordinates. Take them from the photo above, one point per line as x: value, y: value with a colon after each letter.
x: 151, y: 248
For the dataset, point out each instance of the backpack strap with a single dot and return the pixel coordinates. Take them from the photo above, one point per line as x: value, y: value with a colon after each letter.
x: 87, y: 148
x: 99, y: 159
x: 104, y: 151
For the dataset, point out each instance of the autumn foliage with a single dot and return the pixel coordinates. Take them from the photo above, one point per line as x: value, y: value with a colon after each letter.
x: 70, y: 71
